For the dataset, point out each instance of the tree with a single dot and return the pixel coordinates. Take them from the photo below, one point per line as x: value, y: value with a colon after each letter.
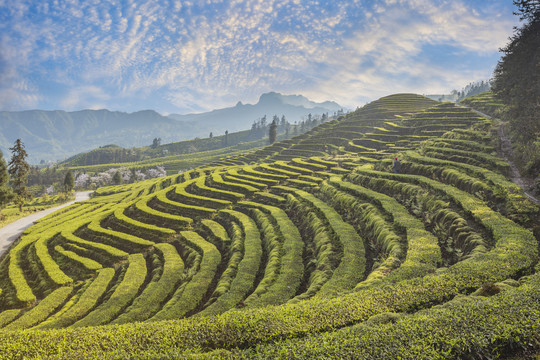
x: 517, y: 84
x: 283, y: 121
x: 324, y: 118
x: 117, y: 178
x: 6, y: 195
x: 272, y: 132
x: 69, y: 181
x: 211, y: 135
x: 155, y: 143
x: 527, y: 9
x: 18, y: 169
x: 226, y: 138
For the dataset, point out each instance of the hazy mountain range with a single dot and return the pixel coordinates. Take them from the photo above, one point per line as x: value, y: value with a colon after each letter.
x: 56, y: 135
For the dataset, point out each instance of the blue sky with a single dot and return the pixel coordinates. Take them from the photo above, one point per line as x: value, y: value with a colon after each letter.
x: 191, y: 56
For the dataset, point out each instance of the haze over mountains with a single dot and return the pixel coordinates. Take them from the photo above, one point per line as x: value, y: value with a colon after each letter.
x: 55, y: 135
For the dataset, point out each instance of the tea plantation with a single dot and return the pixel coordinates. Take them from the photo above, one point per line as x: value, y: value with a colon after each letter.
x: 310, y: 248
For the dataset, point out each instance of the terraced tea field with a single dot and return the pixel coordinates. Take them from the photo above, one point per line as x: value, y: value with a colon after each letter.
x: 309, y: 248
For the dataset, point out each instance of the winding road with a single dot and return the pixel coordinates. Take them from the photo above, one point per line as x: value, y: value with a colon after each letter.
x: 11, y: 232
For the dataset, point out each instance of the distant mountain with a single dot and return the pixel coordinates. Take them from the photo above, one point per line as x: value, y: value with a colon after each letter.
x: 242, y: 116
x: 56, y: 135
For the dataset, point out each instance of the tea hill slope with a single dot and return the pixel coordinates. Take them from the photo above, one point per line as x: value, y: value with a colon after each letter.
x: 309, y: 248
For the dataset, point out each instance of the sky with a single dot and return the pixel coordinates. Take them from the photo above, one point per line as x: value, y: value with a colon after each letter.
x: 183, y: 57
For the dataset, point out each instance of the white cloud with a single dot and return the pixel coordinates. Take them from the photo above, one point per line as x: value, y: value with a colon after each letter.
x: 85, y: 97
x: 206, y: 54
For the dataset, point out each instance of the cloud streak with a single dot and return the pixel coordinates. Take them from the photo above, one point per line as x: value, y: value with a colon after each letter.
x: 182, y: 56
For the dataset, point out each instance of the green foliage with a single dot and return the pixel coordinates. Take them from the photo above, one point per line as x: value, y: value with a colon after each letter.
x: 123, y: 294
x: 69, y: 181
x: 18, y: 170
x: 187, y: 298
x: 515, y: 84
x: 464, y: 326
x: 244, y: 280
x: 150, y: 300
x: 6, y: 195
x: 42, y: 310
x: 84, y: 303
x: 363, y: 264
x: 88, y: 264
x: 351, y: 268
x: 286, y: 261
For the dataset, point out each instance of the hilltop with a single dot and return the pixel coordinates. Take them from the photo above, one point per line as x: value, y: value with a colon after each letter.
x: 312, y: 247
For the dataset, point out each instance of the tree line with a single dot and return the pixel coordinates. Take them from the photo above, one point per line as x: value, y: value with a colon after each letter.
x: 260, y: 127
x: 516, y: 83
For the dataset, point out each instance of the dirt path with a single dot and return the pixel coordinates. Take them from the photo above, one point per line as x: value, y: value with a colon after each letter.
x: 507, y: 153
x: 11, y: 232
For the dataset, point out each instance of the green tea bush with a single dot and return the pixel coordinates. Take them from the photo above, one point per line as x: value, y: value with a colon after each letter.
x: 88, y: 300
x: 42, y: 310
x: 122, y: 296
x: 192, y: 295
x: 150, y: 300
x: 245, y: 278
x: 290, y: 266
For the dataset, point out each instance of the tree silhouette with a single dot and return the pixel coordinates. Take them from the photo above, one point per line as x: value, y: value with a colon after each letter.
x: 6, y: 195
x: 155, y: 143
x: 69, y: 181
x: 516, y: 80
x: 272, y: 132
x: 117, y: 178
x: 18, y: 169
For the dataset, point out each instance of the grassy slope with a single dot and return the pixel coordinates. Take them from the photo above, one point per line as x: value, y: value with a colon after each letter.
x: 479, y: 303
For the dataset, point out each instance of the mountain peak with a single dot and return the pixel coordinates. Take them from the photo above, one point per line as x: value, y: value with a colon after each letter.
x: 270, y: 97
x: 273, y: 98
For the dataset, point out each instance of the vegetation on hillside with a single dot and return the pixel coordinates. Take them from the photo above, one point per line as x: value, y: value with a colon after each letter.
x: 311, y: 247
x: 516, y: 84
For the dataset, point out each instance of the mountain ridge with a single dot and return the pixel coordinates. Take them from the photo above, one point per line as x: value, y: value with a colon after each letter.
x: 52, y: 135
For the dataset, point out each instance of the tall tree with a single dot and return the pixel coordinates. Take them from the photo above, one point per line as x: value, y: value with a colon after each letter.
x: 18, y: 169
x: 69, y: 181
x: 6, y: 195
x: 283, y: 121
x: 527, y: 9
x: 517, y: 84
x: 155, y: 143
x: 272, y: 132
x: 117, y: 178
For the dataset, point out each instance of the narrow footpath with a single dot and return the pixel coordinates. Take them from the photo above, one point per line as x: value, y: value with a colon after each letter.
x: 506, y: 152
x: 11, y: 232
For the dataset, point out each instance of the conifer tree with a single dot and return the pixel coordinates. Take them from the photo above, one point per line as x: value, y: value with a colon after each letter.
x: 6, y: 195
x: 18, y: 169
x: 272, y: 132
x: 69, y: 181
x: 117, y: 178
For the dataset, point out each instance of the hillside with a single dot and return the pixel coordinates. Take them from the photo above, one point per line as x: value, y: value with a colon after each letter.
x: 174, y: 156
x: 309, y: 248
x: 57, y: 135
x: 294, y: 107
x: 180, y: 155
